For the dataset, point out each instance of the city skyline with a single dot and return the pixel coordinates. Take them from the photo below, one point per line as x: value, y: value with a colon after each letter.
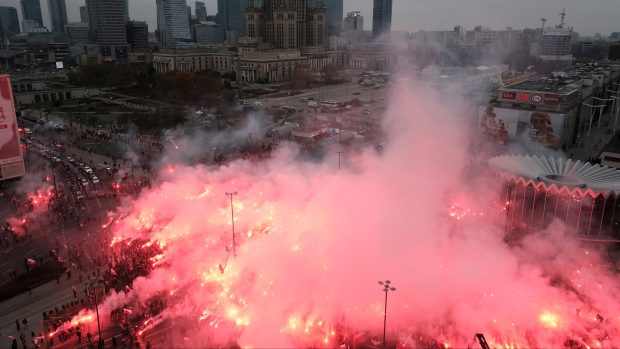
x: 427, y: 14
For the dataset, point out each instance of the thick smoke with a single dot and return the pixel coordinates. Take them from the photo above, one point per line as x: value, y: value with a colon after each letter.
x: 313, y: 242
x: 198, y: 145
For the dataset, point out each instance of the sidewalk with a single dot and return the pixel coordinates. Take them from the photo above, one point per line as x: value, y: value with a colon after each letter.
x: 31, y: 306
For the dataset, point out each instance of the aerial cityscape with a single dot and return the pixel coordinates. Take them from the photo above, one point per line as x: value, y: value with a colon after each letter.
x: 306, y: 174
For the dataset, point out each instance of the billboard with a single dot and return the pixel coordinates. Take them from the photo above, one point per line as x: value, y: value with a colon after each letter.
x: 515, y: 125
x: 11, y: 161
x: 553, y: 100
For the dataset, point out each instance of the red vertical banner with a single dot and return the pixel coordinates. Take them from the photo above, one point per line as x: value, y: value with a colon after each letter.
x: 10, y: 151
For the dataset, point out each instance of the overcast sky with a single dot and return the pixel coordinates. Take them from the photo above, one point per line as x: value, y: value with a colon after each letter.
x: 586, y: 16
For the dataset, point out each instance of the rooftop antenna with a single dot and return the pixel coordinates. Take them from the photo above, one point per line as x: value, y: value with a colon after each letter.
x: 562, y: 15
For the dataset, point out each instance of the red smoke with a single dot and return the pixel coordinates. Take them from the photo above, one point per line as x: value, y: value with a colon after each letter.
x: 313, y: 242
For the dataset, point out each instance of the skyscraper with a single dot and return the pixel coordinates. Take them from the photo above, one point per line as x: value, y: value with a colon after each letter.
x: 208, y: 34
x: 9, y: 22
x: 138, y: 36
x: 334, y: 11
x: 32, y: 26
x: 77, y: 32
x: 201, y: 11
x: 31, y: 9
x: 354, y: 21
x: 107, y: 25
x: 83, y: 14
x: 287, y: 24
x: 381, y: 17
x: 172, y: 23
x: 58, y: 15
x: 231, y: 14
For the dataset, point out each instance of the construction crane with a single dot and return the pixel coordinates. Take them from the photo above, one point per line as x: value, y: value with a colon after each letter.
x: 562, y: 16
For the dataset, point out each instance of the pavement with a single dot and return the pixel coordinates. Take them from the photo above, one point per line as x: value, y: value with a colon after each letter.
x: 32, y: 305
x: 340, y: 93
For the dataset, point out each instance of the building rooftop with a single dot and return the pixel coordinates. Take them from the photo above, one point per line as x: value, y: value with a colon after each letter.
x: 563, y: 174
x: 564, y: 81
x: 549, y: 84
x: 195, y: 50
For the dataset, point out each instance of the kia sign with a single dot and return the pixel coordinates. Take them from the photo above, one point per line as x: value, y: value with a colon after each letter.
x: 11, y: 161
x: 536, y: 98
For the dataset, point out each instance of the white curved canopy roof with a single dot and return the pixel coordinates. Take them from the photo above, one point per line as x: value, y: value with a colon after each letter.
x: 561, y: 173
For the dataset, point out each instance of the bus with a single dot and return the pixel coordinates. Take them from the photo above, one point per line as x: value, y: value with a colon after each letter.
x: 330, y: 104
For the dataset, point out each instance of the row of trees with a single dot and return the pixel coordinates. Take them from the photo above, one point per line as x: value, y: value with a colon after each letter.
x: 304, y: 77
x: 203, y: 89
x: 109, y: 75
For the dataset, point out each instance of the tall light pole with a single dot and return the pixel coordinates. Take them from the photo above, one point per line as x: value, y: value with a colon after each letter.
x: 592, y: 113
x: 232, y: 220
x: 339, y: 154
x: 604, y: 102
x: 97, y: 290
x: 386, y: 289
x: 615, y: 109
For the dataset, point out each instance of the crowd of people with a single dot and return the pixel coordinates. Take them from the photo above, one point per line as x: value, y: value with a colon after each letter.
x: 112, y: 268
x: 108, y: 269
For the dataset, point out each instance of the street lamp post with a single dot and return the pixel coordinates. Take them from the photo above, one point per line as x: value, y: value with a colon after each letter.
x: 592, y: 113
x: 339, y: 154
x: 232, y: 220
x: 604, y: 102
x: 97, y: 290
x: 615, y: 109
x: 386, y: 289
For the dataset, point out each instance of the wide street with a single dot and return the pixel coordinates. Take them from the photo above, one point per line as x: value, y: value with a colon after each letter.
x: 339, y: 93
